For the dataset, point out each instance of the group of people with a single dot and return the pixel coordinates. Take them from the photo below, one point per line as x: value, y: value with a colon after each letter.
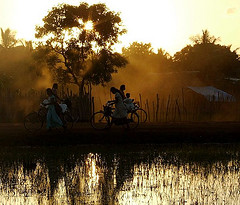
x: 123, y: 103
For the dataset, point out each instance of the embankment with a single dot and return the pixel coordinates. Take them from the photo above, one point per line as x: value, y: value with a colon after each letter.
x: 184, y: 132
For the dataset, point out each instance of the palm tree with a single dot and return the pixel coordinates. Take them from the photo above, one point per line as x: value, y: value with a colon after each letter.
x: 27, y: 44
x: 8, y: 39
x: 205, y: 38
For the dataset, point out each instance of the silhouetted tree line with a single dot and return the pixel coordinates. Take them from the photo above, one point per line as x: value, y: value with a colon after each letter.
x: 211, y: 61
x: 81, y: 55
x: 18, y: 68
x: 214, y: 62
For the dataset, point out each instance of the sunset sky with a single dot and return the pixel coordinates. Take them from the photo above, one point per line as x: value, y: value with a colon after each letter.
x: 166, y: 24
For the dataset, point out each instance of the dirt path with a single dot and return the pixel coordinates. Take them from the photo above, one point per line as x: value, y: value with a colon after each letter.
x: 184, y: 132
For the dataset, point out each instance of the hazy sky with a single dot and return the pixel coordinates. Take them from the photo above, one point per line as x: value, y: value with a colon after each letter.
x: 166, y: 24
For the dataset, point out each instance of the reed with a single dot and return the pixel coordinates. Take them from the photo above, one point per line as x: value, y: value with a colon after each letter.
x: 178, y: 107
x: 172, y: 108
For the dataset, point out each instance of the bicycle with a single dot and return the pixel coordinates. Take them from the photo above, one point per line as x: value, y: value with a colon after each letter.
x: 34, y: 121
x: 103, y: 119
x: 141, y: 113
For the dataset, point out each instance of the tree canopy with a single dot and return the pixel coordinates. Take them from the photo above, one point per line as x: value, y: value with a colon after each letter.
x: 142, y: 57
x: 213, y: 61
x: 79, y: 41
x: 137, y: 50
x: 205, y: 38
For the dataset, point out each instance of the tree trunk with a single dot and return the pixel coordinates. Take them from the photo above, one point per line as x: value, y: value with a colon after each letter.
x: 81, y: 88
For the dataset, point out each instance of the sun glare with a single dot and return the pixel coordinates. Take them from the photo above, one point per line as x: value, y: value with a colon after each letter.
x: 88, y: 25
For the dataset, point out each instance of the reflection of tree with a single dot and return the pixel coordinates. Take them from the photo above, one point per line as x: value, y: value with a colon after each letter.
x: 17, y: 181
x: 54, y: 174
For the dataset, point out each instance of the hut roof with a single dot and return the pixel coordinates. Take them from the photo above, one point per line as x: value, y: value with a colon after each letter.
x: 213, y: 94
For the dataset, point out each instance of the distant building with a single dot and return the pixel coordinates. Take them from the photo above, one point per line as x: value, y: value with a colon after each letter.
x: 213, y: 94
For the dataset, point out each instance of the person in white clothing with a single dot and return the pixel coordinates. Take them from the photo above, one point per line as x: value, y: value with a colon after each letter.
x: 128, y: 102
x: 120, y: 111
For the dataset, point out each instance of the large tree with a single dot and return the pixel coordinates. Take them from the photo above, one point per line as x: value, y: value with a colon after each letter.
x: 213, y: 61
x: 79, y: 41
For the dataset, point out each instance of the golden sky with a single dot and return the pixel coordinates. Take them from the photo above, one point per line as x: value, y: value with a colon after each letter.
x: 166, y: 24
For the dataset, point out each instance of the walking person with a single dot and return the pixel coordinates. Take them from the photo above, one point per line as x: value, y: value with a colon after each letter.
x: 53, y: 119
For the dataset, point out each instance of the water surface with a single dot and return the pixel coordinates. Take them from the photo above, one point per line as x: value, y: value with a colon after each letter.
x: 149, y: 174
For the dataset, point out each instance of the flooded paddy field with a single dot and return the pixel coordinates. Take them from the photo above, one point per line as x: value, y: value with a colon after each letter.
x: 121, y: 174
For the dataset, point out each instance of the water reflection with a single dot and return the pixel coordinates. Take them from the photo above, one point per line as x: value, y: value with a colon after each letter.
x: 153, y: 175
x: 184, y: 184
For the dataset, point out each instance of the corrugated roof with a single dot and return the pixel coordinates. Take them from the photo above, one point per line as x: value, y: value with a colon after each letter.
x: 213, y: 94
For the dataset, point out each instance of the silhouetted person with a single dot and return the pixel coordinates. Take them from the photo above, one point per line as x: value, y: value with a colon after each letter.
x: 122, y: 89
x: 53, y: 119
x: 55, y: 91
x: 120, y: 111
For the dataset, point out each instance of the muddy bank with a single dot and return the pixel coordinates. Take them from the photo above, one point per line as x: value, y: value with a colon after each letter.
x: 204, y: 132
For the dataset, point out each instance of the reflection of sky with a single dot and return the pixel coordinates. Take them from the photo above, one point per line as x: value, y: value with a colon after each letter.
x: 93, y: 181
x: 185, y: 184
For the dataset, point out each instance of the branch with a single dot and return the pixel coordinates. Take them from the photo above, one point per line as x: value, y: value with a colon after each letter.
x: 70, y: 70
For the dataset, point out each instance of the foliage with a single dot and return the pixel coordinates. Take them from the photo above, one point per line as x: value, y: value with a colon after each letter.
x: 18, y: 69
x: 213, y: 61
x: 16, y: 62
x: 142, y: 57
x: 8, y: 38
x: 136, y: 50
x: 205, y: 38
x: 103, y: 65
x: 79, y: 54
